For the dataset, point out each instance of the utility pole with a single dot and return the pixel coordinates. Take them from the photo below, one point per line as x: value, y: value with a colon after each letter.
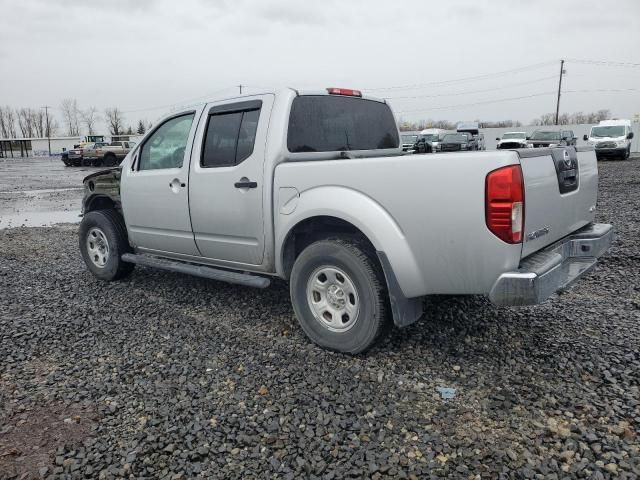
x: 562, y: 72
x: 240, y: 87
x: 46, y: 114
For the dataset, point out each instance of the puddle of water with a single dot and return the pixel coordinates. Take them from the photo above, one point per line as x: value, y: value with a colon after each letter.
x: 40, y: 192
x: 38, y: 219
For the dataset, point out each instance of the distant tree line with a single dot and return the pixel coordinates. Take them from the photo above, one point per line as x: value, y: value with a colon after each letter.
x: 543, y: 120
x: 572, y: 118
x: 29, y: 122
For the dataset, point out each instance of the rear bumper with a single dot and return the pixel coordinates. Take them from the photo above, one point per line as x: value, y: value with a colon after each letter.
x: 554, y: 268
x: 603, y: 152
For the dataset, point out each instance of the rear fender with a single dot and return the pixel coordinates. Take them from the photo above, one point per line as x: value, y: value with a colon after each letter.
x: 366, y: 215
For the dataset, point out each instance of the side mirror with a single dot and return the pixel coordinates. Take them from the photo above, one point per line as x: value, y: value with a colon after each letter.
x: 497, y: 139
x: 585, y: 137
x: 630, y: 135
x: 528, y: 138
x: 564, y: 139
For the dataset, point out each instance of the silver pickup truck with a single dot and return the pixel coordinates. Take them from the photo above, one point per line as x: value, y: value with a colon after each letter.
x: 312, y: 187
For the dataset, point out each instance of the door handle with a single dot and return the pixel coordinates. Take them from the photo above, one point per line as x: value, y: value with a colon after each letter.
x: 245, y: 183
x: 175, y: 185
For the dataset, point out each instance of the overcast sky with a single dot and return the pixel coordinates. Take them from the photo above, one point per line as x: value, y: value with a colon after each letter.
x: 147, y: 56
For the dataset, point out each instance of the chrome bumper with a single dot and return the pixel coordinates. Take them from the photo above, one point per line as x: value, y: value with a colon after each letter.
x: 554, y: 268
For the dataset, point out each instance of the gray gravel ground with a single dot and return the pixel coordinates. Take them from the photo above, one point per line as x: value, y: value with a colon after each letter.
x: 168, y: 376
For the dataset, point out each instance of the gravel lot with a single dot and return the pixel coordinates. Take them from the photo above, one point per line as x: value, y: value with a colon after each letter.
x: 169, y: 376
x: 39, y: 191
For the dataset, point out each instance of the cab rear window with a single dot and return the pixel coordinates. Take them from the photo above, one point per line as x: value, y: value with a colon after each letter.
x: 327, y: 123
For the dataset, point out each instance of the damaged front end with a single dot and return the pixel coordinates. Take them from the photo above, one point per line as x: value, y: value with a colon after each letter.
x: 102, y: 191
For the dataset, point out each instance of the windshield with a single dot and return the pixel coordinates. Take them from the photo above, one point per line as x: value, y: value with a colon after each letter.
x: 409, y: 138
x: 613, y: 131
x: 545, y: 135
x: 455, y: 138
x: 514, y: 135
x: 432, y: 137
x: 326, y: 123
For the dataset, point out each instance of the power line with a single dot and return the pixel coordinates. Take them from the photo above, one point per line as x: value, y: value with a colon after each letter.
x: 465, y: 79
x: 499, y: 100
x: 182, y: 102
x: 606, y: 63
x: 467, y: 92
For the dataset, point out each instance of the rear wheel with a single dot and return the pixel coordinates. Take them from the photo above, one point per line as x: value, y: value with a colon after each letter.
x: 110, y: 160
x: 103, y: 240
x: 339, y: 296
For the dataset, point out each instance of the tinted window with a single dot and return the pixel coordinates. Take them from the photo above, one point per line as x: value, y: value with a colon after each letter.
x: 247, y: 136
x: 327, y: 123
x: 165, y: 147
x: 221, y: 139
x: 230, y: 138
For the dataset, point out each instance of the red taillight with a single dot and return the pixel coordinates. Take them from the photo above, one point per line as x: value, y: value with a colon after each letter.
x: 344, y: 91
x: 504, y: 203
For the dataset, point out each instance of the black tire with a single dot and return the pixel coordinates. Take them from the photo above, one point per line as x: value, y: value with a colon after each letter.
x: 364, y: 273
x: 97, y: 162
x: 110, y: 160
x: 111, y: 225
x: 627, y: 154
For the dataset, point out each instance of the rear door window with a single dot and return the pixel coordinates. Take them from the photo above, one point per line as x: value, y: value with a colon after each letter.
x: 229, y: 138
x: 326, y: 123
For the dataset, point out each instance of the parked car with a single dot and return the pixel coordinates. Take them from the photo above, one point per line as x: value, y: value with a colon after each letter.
x: 434, y: 136
x: 81, y: 155
x: 454, y: 142
x: 64, y: 156
x: 552, y: 138
x: 611, y: 138
x: 477, y: 138
x: 424, y: 143
x: 109, y: 154
x: 408, y: 142
x: 246, y: 189
x: 513, y: 140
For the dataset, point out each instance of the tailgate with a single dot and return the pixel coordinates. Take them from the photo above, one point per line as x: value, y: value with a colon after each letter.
x: 560, y: 192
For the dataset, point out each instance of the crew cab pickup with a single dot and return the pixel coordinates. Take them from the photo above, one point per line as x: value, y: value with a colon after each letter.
x: 312, y: 187
x: 109, y: 154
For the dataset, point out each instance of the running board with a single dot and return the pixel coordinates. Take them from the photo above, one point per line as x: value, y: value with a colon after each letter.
x: 238, y: 278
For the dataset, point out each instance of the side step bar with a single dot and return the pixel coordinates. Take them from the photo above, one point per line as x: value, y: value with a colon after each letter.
x: 198, y: 270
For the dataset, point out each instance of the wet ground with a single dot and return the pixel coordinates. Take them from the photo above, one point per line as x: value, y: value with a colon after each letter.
x: 38, y: 192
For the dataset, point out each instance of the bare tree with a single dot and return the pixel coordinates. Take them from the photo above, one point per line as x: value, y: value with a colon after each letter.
x: 26, y: 117
x: 4, y: 127
x: 39, y: 123
x: 115, y: 119
x: 10, y: 122
x: 71, y: 112
x: 89, y: 118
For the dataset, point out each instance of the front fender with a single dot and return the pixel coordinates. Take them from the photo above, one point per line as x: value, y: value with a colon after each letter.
x: 364, y: 213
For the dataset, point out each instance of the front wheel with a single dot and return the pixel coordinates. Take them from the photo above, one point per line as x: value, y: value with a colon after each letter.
x: 103, y: 240
x: 339, y: 296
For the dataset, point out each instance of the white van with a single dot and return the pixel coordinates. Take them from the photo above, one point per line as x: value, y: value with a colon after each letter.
x: 611, y: 138
x: 433, y: 136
